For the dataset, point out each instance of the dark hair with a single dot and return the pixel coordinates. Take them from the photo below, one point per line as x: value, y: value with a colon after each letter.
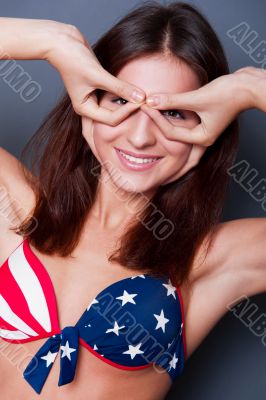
x: 66, y: 187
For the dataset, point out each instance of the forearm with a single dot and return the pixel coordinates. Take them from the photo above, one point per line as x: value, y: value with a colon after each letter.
x: 253, y: 81
x: 22, y: 38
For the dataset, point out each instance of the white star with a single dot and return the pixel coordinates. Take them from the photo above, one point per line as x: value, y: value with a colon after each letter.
x: 169, y: 344
x: 94, y: 301
x: 170, y: 288
x: 181, y: 328
x: 96, y: 348
x: 161, y: 321
x: 133, y: 350
x: 173, y: 362
x: 49, y: 358
x: 115, y: 328
x: 138, y: 276
x: 67, y: 351
x: 127, y: 298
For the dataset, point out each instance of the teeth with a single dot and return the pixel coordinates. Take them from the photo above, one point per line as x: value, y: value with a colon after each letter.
x: 138, y: 160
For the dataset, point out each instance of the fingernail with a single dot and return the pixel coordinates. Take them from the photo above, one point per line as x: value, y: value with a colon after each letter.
x: 138, y: 96
x: 153, y: 101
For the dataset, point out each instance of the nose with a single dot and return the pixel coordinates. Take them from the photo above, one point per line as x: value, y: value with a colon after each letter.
x: 142, y: 130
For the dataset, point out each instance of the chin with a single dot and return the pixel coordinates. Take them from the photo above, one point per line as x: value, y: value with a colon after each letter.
x: 131, y: 185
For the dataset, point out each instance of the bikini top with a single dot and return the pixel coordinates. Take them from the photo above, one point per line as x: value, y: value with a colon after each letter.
x: 132, y: 324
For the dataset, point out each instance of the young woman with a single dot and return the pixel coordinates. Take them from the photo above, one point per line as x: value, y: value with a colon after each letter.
x: 112, y: 249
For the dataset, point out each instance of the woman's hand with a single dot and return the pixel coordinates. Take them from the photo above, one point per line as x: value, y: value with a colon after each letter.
x: 82, y: 73
x: 216, y: 103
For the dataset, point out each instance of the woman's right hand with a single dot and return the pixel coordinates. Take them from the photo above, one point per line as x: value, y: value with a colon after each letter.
x: 73, y: 57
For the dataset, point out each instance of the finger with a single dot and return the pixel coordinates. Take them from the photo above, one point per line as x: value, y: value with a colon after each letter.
x: 188, y: 135
x: 185, y: 100
x: 122, y: 88
x: 101, y: 114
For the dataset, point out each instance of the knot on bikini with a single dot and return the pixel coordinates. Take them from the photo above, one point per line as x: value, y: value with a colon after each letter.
x: 38, y: 369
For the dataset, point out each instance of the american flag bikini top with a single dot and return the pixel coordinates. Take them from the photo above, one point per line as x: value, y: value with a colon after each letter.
x: 132, y: 324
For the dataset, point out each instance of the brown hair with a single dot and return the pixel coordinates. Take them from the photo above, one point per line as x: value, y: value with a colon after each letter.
x: 66, y: 187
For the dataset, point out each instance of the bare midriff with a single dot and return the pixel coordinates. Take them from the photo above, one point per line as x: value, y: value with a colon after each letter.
x: 94, y: 378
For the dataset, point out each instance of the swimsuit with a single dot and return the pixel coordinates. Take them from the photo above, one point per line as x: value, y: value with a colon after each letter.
x: 132, y: 324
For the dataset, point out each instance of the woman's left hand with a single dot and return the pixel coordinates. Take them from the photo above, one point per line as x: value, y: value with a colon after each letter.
x: 217, y: 104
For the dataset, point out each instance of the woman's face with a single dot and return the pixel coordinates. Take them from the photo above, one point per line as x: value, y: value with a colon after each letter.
x: 138, y: 133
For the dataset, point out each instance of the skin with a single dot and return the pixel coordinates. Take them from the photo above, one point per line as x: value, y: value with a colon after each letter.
x: 234, y: 266
x: 140, y: 134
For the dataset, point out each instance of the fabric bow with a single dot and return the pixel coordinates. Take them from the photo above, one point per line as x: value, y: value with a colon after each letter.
x: 40, y: 365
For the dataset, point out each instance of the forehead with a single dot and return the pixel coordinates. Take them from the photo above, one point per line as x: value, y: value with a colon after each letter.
x: 160, y: 74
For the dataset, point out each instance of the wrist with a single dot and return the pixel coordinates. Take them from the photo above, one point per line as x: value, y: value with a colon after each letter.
x: 54, y: 36
x: 248, y: 87
x: 59, y: 43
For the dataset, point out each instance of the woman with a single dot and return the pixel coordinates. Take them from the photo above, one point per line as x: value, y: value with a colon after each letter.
x: 124, y: 191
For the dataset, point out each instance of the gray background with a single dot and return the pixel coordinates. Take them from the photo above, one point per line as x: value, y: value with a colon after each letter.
x: 230, y: 363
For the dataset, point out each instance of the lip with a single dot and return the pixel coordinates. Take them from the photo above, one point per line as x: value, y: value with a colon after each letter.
x: 140, y: 155
x: 134, y: 166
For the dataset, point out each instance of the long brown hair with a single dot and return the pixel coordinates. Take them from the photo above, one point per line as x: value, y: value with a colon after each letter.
x: 63, y: 161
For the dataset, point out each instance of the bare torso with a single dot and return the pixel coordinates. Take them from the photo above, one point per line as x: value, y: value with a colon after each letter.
x: 76, y: 282
x: 86, y: 275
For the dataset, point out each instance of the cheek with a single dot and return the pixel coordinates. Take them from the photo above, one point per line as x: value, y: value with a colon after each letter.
x: 94, y: 141
x: 104, y: 133
x: 104, y: 138
x: 178, y: 151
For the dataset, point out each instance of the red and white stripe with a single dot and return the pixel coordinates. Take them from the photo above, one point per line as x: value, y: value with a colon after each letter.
x: 28, y: 308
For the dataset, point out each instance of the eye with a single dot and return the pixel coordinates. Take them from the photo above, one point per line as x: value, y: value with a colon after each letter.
x: 173, y: 112
x: 118, y: 98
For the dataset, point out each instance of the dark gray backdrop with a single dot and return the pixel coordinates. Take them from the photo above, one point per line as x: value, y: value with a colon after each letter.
x: 231, y: 362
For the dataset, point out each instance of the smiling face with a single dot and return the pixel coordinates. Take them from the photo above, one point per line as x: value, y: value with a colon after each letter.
x: 138, y: 133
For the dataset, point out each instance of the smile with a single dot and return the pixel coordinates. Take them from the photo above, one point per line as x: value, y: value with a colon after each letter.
x: 136, y: 163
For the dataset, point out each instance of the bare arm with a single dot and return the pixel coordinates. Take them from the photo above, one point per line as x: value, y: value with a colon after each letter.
x: 239, y: 247
x: 235, y: 266
x: 22, y: 39
x: 65, y: 48
x: 245, y: 243
x: 31, y: 39
x: 238, y: 250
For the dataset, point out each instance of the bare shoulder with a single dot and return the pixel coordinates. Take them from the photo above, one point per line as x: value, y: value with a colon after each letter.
x: 223, y: 274
x: 17, y: 200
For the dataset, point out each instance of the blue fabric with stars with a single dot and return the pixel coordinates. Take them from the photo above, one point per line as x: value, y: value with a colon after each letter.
x: 132, y: 324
